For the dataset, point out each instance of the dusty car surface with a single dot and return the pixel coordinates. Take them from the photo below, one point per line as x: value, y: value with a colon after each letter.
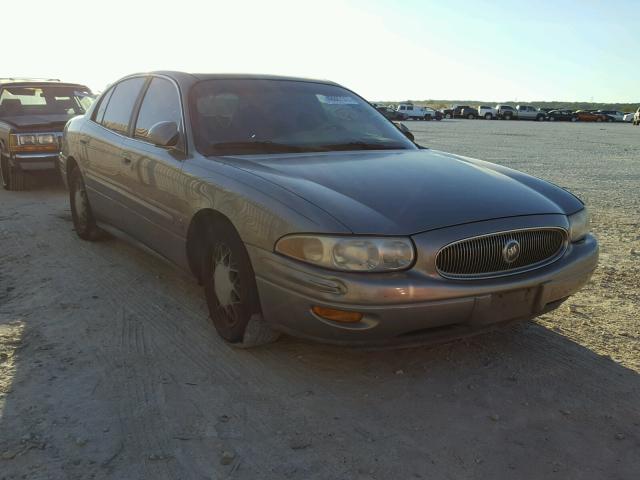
x: 301, y: 209
x: 32, y: 116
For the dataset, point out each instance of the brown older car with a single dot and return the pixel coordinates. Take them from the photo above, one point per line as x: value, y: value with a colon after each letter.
x: 584, y: 116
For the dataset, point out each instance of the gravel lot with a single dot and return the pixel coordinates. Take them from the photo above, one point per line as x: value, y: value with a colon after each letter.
x: 110, y: 369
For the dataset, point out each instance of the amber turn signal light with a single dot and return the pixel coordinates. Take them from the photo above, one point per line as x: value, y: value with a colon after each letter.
x: 337, y: 315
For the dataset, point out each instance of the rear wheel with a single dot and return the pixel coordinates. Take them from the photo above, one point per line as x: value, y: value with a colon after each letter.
x: 231, y: 291
x: 81, y: 213
x: 447, y: 115
x: 574, y: 119
x: 12, y: 178
x: 609, y: 120
x: 540, y: 118
x: 471, y: 116
x: 552, y: 119
x: 598, y: 120
x: 507, y: 116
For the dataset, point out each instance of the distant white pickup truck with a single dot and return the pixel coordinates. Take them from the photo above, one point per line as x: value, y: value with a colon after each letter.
x: 487, y: 112
x: 416, y: 112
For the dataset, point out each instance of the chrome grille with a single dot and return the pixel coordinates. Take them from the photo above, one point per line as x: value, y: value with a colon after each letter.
x: 482, y: 256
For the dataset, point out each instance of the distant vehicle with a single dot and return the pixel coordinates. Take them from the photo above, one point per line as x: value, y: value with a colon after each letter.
x: 487, y: 112
x: 628, y: 117
x: 561, y: 115
x: 546, y: 109
x: 636, y: 117
x: 460, y: 111
x: 617, y: 115
x: 528, y: 112
x: 586, y: 116
x: 390, y: 113
x: 506, y: 112
x: 33, y: 113
x: 415, y: 112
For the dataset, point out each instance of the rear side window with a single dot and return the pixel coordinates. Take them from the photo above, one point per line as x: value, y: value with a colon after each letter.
x: 118, y: 112
x: 104, y: 101
x: 161, y: 104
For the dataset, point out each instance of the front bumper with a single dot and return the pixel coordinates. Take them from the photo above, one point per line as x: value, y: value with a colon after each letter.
x: 413, y: 306
x: 35, y: 161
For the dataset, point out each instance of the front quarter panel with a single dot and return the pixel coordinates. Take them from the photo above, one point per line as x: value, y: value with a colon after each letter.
x: 262, y: 212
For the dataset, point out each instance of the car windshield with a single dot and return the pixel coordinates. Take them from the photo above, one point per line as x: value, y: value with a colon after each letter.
x: 249, y: 116
x: 44, y: 100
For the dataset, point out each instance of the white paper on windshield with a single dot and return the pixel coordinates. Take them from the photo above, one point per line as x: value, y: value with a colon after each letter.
x: 337, y: 100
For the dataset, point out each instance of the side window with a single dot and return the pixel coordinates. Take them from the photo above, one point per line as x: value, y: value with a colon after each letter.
x: 403, y: 108
x: 161, y: 104
x: 104, y: 101
x: 409, y: 108
x: 118, y: 113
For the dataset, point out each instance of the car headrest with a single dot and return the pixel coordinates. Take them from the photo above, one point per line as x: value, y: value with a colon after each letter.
x: 11, y: 106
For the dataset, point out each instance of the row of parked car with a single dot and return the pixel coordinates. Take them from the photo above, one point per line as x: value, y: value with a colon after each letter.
x: 409, y: 111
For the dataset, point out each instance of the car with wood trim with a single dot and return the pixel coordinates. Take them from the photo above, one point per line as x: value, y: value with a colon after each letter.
x: 302, y: 210
x: 33, y: 114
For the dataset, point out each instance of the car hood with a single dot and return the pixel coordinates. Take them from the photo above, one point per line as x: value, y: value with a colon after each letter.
x: 403, y: 192
x: 53, y: 122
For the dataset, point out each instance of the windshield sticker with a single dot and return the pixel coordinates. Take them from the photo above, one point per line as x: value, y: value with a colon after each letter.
x: 337, y: 100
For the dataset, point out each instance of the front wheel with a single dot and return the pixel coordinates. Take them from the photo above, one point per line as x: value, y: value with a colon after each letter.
x: 610, y: 120
x: 81, y: 213
x: 574, y: 119
x: 488, y: 116
x: 598, y: 120
x: 552, y: 119
x: 507, y: 116
x: 447, y: 115
x: 540, y: 118
x: 231, y: 291
x: 471, y: 116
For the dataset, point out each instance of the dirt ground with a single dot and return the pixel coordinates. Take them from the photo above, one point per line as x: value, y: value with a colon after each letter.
x: 110, y: 369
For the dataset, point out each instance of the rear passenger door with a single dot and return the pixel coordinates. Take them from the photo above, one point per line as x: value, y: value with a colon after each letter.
x: 153, y: 176
x: 105, y: 137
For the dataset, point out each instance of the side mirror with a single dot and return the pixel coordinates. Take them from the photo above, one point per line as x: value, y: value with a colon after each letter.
x: 407, y: 133
x: 164, y: 134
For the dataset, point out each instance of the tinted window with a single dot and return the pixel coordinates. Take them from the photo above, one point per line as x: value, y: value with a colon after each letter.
x: 43, y: 100
x: 161, y: 104
x: 248, y: 116
x: 104, y: 101
x: 118, y: 112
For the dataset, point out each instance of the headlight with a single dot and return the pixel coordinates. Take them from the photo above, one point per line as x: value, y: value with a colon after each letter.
x: 47, y: 139
x: 579, y: 225
x: 355, y: 254
x: 26, y: 139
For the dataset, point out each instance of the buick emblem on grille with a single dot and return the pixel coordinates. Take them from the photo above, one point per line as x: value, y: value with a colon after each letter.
x: 511, y: 251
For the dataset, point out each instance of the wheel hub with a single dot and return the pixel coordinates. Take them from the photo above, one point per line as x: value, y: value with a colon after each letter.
x: 225, y: 279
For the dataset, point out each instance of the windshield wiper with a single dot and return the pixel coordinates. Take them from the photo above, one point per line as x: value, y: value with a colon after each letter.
x: 359, y: 145
x: 258, y: 146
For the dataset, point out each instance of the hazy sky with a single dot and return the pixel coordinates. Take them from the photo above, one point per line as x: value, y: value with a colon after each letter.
x: 385, y: 50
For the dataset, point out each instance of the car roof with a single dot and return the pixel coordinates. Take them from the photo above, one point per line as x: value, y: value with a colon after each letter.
x: 178, y: 75
x: 29, y: 82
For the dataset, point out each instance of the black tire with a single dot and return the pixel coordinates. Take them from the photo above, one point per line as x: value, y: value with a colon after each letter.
x: 427, y: 118
x: 540, y: 118
x: 574, y: 119
x: 599, y: 120
x: 488, y: 116
x: 552, y: 119
x: 609, y: 120
x: 84, y: 222
x: 447, y: 115
x: 507, y: 116
x: 471, y: 116
x: 12, y: 178
x: 238, y: 316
